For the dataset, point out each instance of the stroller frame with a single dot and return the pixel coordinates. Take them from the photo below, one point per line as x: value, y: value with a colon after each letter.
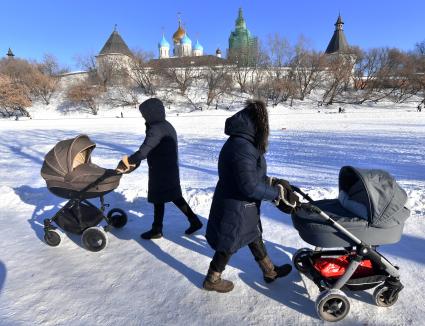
x: 76, y: 202
x: 115, y: 218
x: 388, y: 285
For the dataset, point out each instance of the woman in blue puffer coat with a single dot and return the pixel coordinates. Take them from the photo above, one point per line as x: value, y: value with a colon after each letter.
x: 234, y: 219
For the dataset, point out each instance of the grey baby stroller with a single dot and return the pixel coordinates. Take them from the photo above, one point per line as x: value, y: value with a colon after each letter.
x: 369, y: 212
x: 70, y: 174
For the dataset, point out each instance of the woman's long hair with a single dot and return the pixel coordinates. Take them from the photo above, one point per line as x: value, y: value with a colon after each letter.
x: 258, y: 112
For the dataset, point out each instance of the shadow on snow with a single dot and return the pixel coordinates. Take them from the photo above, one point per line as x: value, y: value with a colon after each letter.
x: 3, y: 272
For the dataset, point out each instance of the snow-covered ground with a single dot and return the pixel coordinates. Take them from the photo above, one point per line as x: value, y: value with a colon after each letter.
x: 137, y: 282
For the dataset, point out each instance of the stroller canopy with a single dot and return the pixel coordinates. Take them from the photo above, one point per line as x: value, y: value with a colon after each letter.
x: 67, y: 155
x: 69, y: 172
x: 377, y: 191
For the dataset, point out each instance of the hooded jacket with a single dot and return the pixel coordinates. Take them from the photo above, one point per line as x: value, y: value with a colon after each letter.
x: 234, y: 219
x: 161, y: 150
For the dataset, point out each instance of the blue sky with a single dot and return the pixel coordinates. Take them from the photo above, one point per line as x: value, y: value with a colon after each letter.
x: 79, y: 27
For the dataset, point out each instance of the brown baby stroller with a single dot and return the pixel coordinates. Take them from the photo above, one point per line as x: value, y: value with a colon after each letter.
x: 70, y: 174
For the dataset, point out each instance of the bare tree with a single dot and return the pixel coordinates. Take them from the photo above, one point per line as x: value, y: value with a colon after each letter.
x: 337, y: 76
x: 112, y: 71
x: 13, y: 98
x: 45, y: 79
x: 107, y: 70
x: 144, y: 73
x: 366, y: 71
x: 181, y: 77
x: 86, y: 95
x: 241, y: 74
x: 218, y: 80
x: 393, y: 78
x: 258, y: 67
x: 420, y: 48
x: 86, y: 62
x: 42, y: 86
x: 406, y: 70
x: 123, y: 94
x: 50, y: 66
x: 277, y: 83
x: 306, y: 67
x: 277, y: 91
x: 419, y: 76
x: 111, y: 74
x: 40, y: 79
x: 245, y: 63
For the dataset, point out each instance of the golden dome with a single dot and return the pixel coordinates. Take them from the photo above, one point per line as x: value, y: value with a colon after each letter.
x: 179, y: 34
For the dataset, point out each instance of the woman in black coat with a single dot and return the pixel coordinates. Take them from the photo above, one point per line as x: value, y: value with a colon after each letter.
x: 234, y: 219
x: 160, y: 149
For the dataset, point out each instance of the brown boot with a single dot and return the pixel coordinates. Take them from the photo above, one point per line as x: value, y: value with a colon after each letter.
x: 213, y: 282
x: 271, y: 271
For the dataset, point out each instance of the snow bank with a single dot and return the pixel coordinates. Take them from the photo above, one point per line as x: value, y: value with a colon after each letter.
x: 135, y: 282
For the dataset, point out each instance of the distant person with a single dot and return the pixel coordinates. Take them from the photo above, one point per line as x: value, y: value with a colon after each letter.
x: 161, y: 150
x: 122, y: 115
x: 340, y: 110
x: 234, y: 219
x: 419, y: 108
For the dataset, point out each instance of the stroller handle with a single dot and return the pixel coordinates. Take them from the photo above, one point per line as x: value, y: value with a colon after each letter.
x: 302, y: 193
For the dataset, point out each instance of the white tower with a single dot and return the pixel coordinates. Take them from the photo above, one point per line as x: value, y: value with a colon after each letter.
x: 185, y: 46
x: 164, y: 48
x: 198, y: 49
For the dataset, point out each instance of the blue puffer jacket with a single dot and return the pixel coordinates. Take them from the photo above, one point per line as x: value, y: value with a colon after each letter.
x: 234, y: 219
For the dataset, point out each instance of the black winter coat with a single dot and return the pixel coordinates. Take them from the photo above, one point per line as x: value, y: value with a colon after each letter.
x: 160, y: 148
x: 234, y: 219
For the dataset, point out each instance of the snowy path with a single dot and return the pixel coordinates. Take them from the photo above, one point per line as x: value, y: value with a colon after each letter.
x: 135, y: 282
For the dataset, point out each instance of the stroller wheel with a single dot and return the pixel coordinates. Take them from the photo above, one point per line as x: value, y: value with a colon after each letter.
x: 94, y: 239
x: 117, y: 218
x: 298, y: 258
x: 52, y: 237
x: 332, y: 305
x: 382, y: 296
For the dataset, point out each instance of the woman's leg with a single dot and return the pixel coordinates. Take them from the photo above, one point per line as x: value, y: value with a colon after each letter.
x: 258, y: 249
x: 195, y: 223
x: 158, y: 217
x: 219, y: 261
x: 270, y: 271
x: 213, y: 280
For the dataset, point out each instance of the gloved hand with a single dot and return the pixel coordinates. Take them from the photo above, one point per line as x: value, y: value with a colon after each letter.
x: 287, y: 200
x: 285, y: 184
x: 124, y: 166
x: 270, y: 181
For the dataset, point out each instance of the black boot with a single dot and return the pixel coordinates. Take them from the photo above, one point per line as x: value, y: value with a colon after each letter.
x: 151, y: 234
x: 271, y: 271
x: 195, y: 225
